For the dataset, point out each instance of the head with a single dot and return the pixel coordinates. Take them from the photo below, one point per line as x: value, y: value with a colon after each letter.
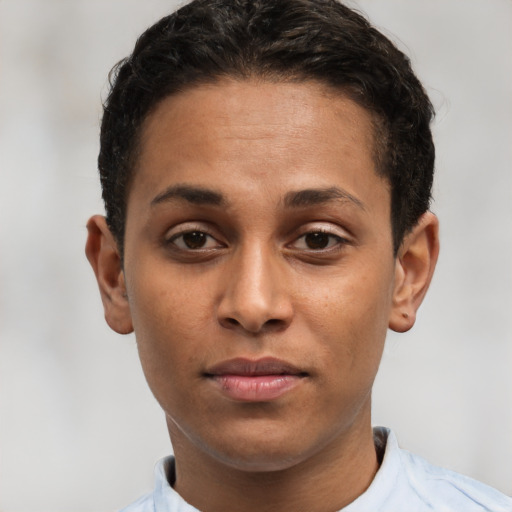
x: 275, y: 41
x: 266, y: 168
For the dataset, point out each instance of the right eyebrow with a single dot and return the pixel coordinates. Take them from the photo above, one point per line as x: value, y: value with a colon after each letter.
x: 192, y: 194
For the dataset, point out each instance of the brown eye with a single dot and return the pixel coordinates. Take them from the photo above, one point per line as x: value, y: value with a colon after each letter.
x: 194, y: 239
x: 317, y: 240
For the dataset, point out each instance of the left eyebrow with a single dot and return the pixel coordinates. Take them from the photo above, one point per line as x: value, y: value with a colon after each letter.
x: 317, y: 196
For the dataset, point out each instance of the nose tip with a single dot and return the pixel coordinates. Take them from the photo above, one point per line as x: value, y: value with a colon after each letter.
x: 255, y: 296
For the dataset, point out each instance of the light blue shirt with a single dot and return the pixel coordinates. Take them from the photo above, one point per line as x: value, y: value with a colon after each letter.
x: 403, y: 483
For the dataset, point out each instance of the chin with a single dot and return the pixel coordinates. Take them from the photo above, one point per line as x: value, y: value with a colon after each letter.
x: 261, y: 461
x: 263, y: 451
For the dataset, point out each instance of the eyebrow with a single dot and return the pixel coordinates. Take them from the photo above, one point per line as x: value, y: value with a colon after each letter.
x: 297, y: 199
x: 317, y: 196
x: 192, y: 194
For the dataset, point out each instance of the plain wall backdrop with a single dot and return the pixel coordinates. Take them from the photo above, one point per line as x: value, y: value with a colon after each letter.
x: 79, y: 430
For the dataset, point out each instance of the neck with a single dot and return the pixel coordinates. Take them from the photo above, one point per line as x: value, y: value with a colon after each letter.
x: 328, y: 480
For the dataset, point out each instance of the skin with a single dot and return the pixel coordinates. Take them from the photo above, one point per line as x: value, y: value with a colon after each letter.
x: 307, y: 278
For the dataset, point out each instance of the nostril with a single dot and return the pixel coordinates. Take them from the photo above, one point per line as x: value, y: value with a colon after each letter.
x: 274, y: 324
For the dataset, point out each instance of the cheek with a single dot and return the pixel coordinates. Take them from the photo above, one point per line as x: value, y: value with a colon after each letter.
x: 351, y: 300
x: 171, y: 323
x: 351, y: 316
x: 164, y: 303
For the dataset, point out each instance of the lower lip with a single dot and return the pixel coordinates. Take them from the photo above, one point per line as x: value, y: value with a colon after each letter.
x: 256, y: 388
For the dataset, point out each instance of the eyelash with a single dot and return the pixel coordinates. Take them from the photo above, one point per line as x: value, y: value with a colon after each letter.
x: 339, y: 242
x: 199, y: 230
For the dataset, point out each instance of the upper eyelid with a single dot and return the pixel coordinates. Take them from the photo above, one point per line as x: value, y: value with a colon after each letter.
x: 185, y: 227
x: 328, y: 229
x: 308, y: 227
x: 186, y: 232
x: 341, y: 239
x: 323, y: 232
x: 172, y: 242
x: 173, y: 234
x: 342, y: 235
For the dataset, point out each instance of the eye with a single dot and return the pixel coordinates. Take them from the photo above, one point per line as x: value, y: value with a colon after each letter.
x: 194, y: 240
x: 318, y: 241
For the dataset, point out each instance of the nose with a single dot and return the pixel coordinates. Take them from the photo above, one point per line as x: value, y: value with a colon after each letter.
x: 256, y: 296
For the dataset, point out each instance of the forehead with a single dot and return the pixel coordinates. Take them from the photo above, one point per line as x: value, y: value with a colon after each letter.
x: 256, y: 132
x: 256, y: 103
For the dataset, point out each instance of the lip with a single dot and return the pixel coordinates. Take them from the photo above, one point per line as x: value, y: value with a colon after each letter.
x: 260, y: 380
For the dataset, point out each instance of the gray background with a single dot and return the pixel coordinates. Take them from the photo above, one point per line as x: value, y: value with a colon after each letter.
x: 79, y: 431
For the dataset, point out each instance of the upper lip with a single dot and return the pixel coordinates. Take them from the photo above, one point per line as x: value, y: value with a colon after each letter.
x: 254, y: 367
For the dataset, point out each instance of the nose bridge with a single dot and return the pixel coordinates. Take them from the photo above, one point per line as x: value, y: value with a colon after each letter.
x: 255, y: 293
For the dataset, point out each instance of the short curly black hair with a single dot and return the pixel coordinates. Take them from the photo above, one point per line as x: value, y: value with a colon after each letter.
x: 304, y: 40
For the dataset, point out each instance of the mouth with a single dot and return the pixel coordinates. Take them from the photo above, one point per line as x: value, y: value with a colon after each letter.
x: 261, y: 380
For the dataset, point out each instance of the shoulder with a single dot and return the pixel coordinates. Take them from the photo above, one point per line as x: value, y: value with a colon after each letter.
x: 441, y: 489
x: 438, y: 487
x: 408, y: 483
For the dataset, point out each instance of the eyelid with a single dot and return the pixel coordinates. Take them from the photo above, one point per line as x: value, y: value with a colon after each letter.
x: 186, y: 227
x: 342, y: 235
x: 189, y: 227
x: 325, y: 227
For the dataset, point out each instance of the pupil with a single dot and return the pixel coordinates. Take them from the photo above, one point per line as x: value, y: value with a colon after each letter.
x: 194, y: 239
x: 317, y: 240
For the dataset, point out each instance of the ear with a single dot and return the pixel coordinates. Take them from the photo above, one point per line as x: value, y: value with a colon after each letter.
x: 103, y: 255
x: 414, y: 268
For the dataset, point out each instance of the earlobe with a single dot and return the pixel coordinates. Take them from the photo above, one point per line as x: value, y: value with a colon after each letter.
x: 414, y: 268
x: 103, y: 255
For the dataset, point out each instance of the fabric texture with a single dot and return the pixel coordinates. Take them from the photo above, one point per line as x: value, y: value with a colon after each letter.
x: 404, y: 483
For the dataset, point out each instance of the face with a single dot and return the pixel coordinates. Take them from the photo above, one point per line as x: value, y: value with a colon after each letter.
x: 259, y: 269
